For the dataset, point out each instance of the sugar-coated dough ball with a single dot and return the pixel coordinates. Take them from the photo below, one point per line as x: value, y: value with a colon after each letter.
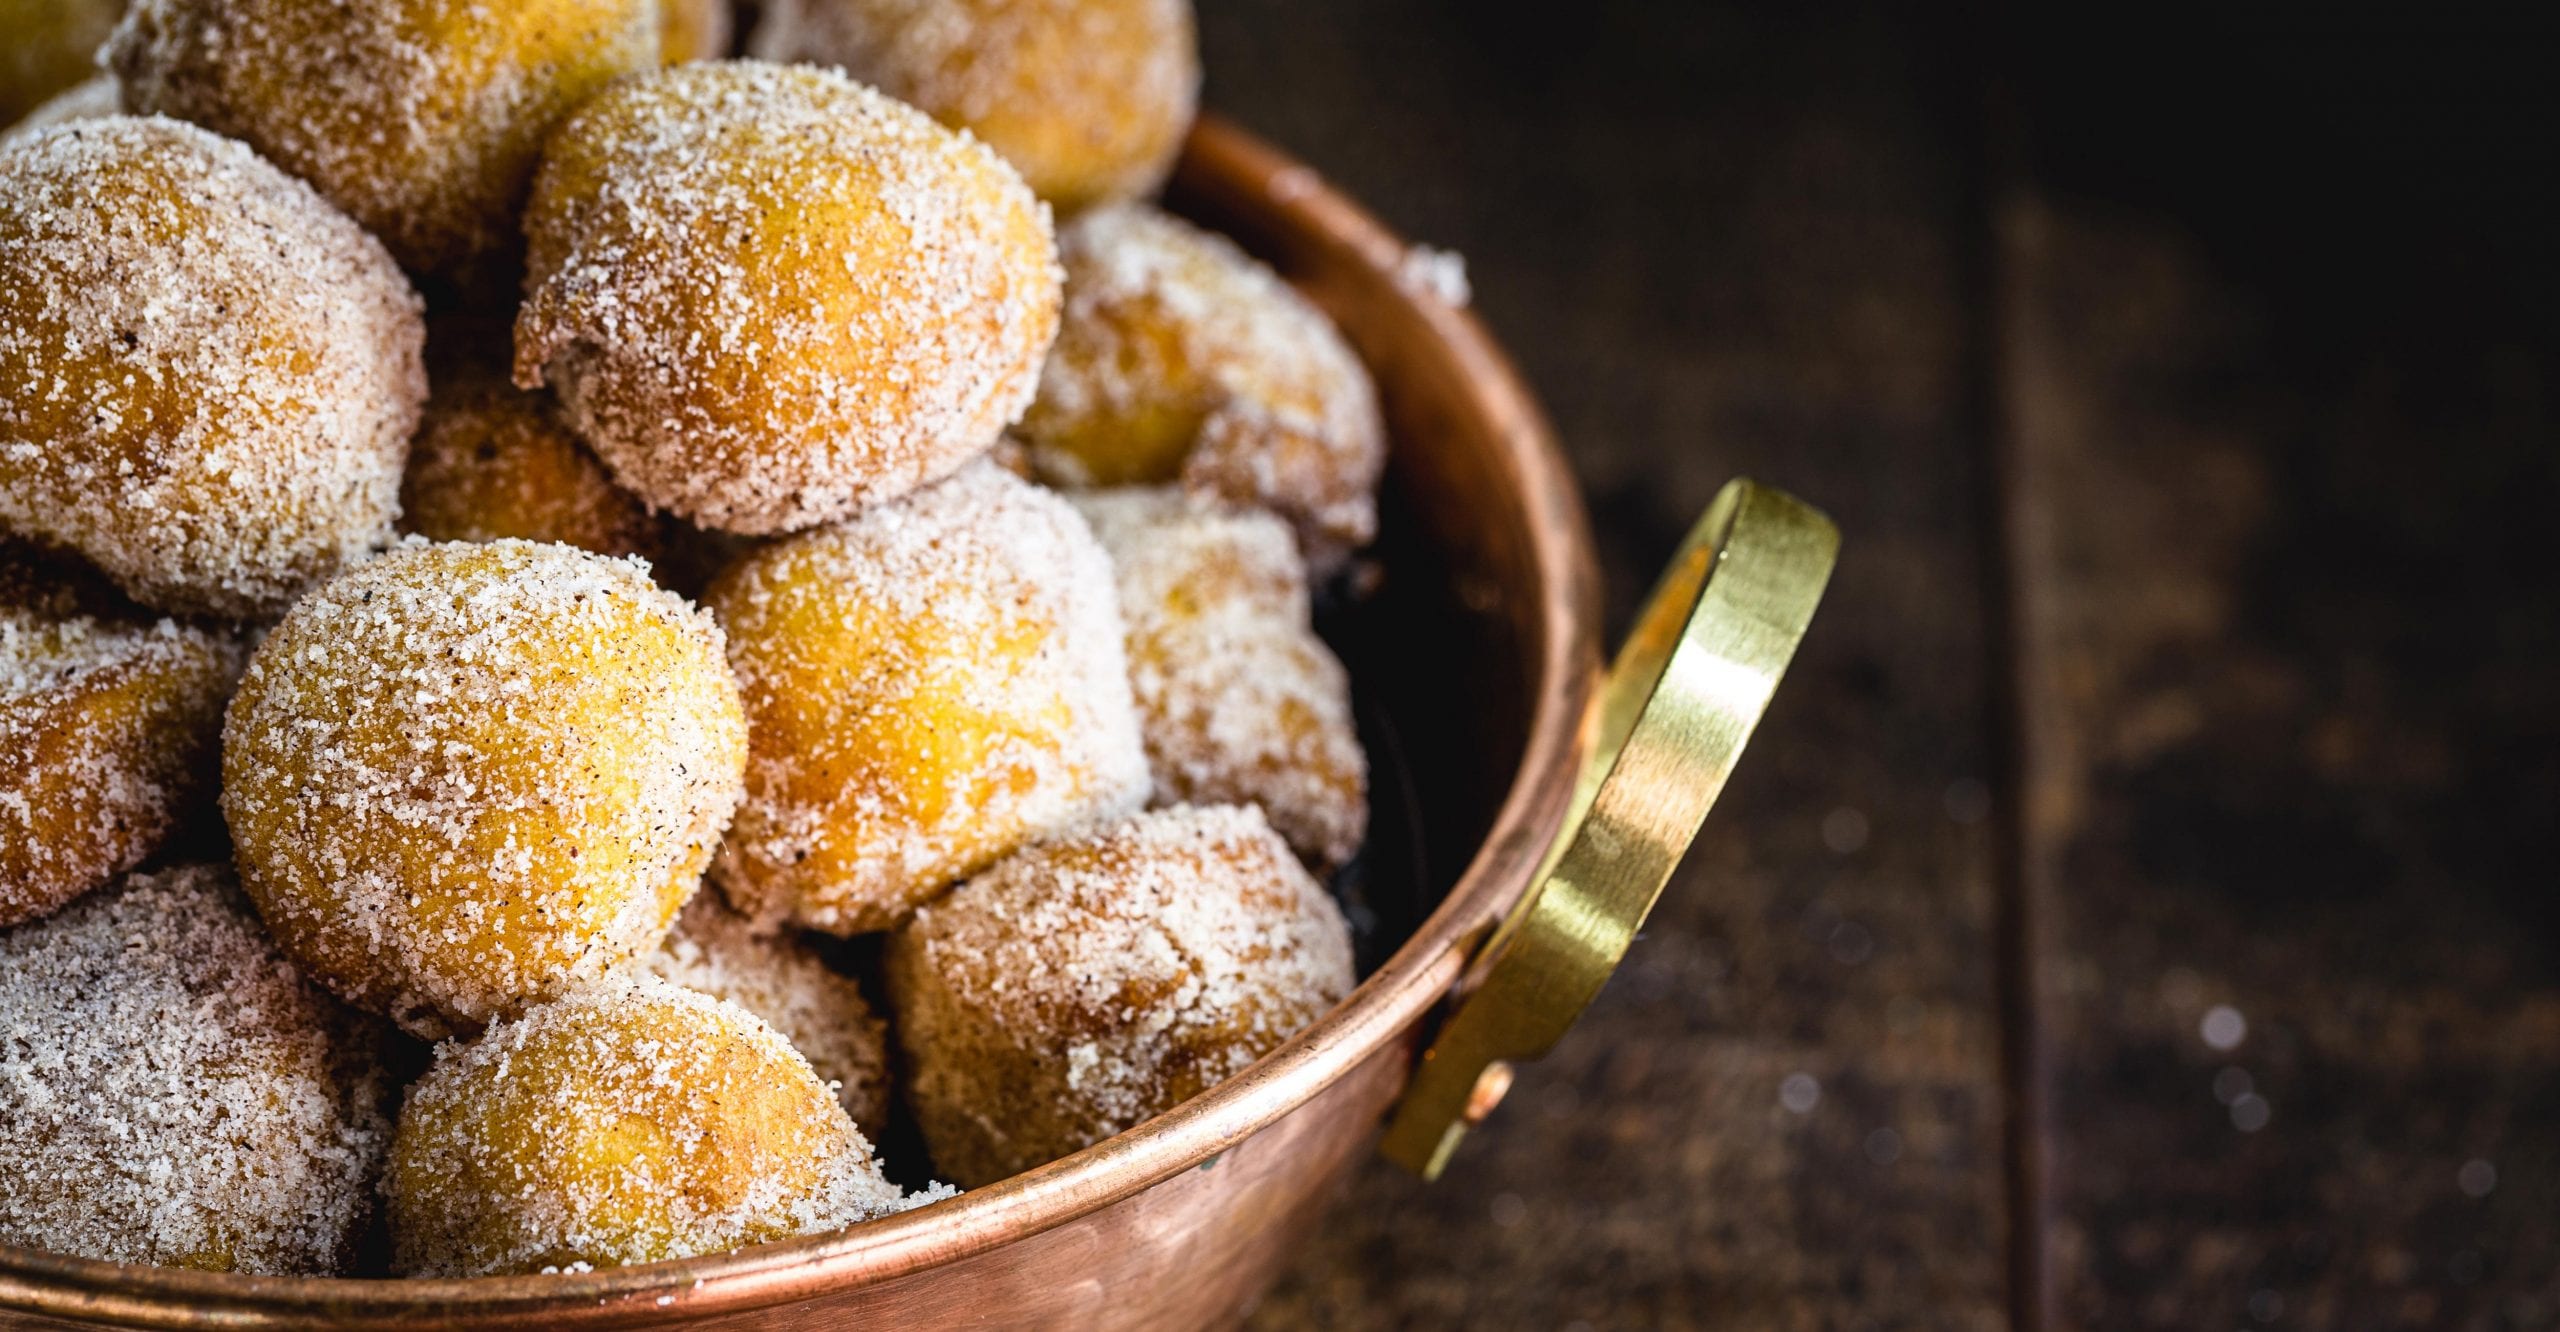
x: 47, y: 46
x: 463, y: 778
x: 628, y: 1122
x: 173, y: 1092
x: 493, y: 461
x: 208, y: 376
x: 1087, y: 985
x: 931, y: 684
x: 92, y: 100
x: 690, y: 30
x: 1239, y: 700
x: 1181, y: 358
x: 421, y: 118
x: 770, y: 296
x: 783, y: 981
x: 1089, y: 99
x: 109, y: 723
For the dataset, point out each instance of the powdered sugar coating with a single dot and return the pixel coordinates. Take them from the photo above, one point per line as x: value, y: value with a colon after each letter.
x: 110, y: 725
x: 627, y: 1122
x: 1182, y: 358
x: 207, y: 375
x: 421, y: 118
x: 783, y: 981
x: 932, y: 684
x: 1239, y: 700
x: 770, y: 296
x: 1089, y: 99
x: 88, y: 100
x: 1087, y: 985
x: 463, y: 778
x: 174, y: 1092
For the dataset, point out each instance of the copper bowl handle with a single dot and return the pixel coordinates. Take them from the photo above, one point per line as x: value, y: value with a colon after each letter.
x: 1668, y: 725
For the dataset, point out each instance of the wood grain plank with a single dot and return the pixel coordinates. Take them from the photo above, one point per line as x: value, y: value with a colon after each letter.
x: 1721, y: 242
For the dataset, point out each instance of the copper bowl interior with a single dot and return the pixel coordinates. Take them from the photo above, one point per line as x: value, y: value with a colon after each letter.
x: 1473, y: 660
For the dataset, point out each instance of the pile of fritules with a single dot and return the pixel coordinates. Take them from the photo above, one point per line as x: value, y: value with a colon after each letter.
x: 511, y: 535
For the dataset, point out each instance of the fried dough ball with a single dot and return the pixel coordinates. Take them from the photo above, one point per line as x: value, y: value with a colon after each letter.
x: 628, y: 1122
x: 49, y: 46
x: 493, y: 461
x: 1181, y: 358
x: 95, y: 99
x: 208, y: 376
x: 690, y: 30
x: 770, y: 296
x: 786, y: 983
x: 1239, y: 700
x: 930, y: 685
x: 1089, y: 99
x: 421, y: 118
x: 109, y: 723
x: 173, y: 1092
x: 1087, y: 985
x: 464, y: 778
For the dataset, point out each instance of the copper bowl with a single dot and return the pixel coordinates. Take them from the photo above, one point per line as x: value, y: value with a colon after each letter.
x: 1480, y: 658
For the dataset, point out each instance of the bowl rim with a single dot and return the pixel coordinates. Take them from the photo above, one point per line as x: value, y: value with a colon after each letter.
x: 1228, y: 168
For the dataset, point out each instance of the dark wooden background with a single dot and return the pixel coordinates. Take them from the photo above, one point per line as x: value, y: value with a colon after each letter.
x: 2138, y: 910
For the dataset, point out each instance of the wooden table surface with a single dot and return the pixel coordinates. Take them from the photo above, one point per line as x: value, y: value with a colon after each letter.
x: 2136, y: 911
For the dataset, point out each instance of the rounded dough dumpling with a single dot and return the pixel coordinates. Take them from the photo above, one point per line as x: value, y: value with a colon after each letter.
x: 1089, y: 99
x: 492, y: 461
x: 1181, y: 358
x: 463, y: 778
x: 1239, y: 700
x: 690, y: 30
x: 770, y: 296
x: 47, y: 46
x: 1089, y: 984
x: 421, y: 118
x: 625, y: 1123
x: 110, y: 722
x: 208, y: 376
x: 784, y: 981
x: 931, y: 684
x: 175, y: 1093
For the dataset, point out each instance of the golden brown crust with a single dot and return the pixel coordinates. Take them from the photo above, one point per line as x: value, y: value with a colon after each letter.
x: 493, y: 461
x: 421, y: 118
x: 466, y: 777
x: 628, y: 1122
x: 1089, y: 99
x: 769, y: 296
x: 1089, y: 984
x: 208, y: 376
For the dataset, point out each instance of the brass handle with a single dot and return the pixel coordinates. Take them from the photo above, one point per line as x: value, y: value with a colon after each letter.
x: 1670, y: 722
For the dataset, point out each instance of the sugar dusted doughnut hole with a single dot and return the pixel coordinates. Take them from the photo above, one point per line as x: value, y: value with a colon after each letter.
x: 1089, y: 984
x: 208, y: 376
x: 692, y: 30
x: 462, y: 778
x: 1087, y: 98
x: 421, y: 118
x: 1180, y: 358
x: 769, y: 296
x: 110, y: 724
x: 931, y: 684
x: 47, y: 46
x: 493, y: 461
x: 783, y: 981
x: 174, y: 1093
x: 627, y: 1122
x: 1239, y: 701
